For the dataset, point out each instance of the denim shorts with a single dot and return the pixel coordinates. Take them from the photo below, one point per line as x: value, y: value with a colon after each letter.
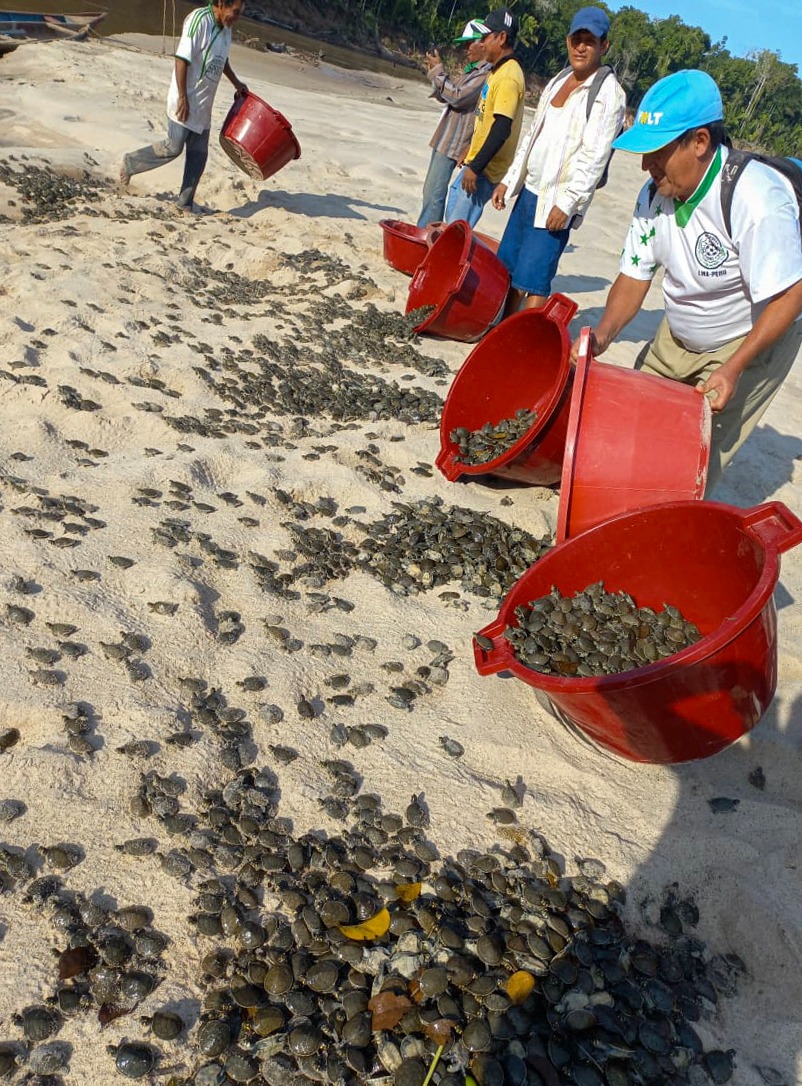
x: 530, y: 253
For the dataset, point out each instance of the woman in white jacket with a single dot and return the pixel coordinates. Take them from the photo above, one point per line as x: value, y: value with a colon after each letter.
x: 560, y: 162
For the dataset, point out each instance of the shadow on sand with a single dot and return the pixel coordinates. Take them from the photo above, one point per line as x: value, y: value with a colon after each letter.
x: 316, y: 205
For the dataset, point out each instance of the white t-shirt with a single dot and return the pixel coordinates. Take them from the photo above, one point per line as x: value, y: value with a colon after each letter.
x: 715, y: 287
x: 556, y: 129
x: 204, y: 46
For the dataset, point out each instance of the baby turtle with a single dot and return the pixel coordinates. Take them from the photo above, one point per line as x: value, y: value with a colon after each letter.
x: 166, y: 1025
x: 452, y: 748
x: 38, y: 1023
x: 133, y: 1059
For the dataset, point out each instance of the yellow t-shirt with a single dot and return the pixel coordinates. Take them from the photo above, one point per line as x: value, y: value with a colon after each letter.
x: 503, y: 93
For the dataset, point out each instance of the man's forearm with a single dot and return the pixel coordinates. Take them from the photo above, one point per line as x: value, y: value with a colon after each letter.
x: 779, y: 314
x: 496, y: 138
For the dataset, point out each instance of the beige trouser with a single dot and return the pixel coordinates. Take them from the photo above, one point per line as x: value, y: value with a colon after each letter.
x: 757, y: 385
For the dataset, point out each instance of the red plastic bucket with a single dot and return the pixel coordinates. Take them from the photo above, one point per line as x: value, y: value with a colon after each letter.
x: 719, y: 566
x: 524, y: 362
x: 464, y: 281
x: 405, y: 245
x: 257, y: 137
x: 633, y: 440
x: 435, y: 229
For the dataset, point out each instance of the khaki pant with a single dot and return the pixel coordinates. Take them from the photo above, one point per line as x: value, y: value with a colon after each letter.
x: 757, y: 385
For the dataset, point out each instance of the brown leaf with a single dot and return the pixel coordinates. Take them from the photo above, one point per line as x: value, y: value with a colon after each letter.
x: 387, y: 1009
x: 439, y: 1031
x: 109, y: 1011
x: 72, y: 963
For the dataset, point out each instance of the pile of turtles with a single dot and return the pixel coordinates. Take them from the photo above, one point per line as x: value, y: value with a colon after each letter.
x: 596, y: 633
x: 48, y: 195
x: 491, y: 440
x: 364, y: 956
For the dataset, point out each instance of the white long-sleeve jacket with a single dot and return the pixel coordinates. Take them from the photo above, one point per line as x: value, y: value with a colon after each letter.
x: 575, y: 163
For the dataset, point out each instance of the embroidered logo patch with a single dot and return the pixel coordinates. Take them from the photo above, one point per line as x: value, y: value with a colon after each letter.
x: 710, y: 251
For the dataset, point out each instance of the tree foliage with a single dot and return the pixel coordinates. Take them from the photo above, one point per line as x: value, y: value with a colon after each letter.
x: 762, y: 94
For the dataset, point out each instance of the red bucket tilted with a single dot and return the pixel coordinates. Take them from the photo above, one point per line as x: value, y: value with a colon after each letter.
x: 634, y: 439
x: 465, y: 282
x: 719, y: 566
x: 435, y: 229
x: 524, y: 362
x: 258, y: 138
x: 405, y: 245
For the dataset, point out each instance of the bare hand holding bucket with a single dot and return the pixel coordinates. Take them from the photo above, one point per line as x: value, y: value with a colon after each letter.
x: 718, y: 388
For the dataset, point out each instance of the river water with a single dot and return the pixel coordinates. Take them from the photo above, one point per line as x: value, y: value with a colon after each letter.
x: 165, y: 16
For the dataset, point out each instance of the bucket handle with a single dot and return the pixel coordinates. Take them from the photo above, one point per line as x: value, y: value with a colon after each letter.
x: 489, y: 661
x: 559, y: 308
x: 446, y: 462
x: 774, y: 525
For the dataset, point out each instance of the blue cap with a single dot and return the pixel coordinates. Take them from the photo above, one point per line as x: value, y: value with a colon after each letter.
x: 681, y: 101
x: 593, y: 19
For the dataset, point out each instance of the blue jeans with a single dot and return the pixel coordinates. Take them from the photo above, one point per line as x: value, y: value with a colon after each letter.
x: 468, y: 205
x: 531, y: 253
x: 435, y: 188
x: 178, y: 137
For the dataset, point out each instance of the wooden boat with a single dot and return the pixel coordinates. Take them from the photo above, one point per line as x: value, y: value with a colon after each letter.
x: 20, y: 27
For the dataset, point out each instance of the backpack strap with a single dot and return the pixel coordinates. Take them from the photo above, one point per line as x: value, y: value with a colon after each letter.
x: 734, y: 166
x: 595, y: 87
x: 595, y: 84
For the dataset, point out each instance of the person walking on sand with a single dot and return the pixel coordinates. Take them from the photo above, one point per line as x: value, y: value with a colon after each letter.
x: 200, y: 60
x: 732, y: 288
x: 454, y: 130
x: 560, y: 161
x: 498, y: 121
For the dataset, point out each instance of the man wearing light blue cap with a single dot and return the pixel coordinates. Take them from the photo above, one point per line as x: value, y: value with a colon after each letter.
x: 733, y: 297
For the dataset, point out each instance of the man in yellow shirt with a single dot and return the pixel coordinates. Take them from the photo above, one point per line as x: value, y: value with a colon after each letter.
x: 498, y: 121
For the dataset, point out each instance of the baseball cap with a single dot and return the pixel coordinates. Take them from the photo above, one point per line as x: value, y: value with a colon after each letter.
x: 683, y: 100
x: 498, y: 20
x: 473, y: 32
x: 593, y: 19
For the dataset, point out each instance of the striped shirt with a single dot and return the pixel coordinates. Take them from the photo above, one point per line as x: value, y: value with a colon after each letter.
x: 455, y: 127
x: 204, y: 46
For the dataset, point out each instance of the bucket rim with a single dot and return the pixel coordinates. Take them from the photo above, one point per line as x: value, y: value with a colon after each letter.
x: 447, y: 446
x: 468, y: 243
x: 585, y: 362
x: 411, y: 233
x: 726, y: 632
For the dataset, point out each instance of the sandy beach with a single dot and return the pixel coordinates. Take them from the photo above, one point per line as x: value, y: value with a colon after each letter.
x: 158, y: 486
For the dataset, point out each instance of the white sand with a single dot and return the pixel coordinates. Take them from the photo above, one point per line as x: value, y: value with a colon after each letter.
x: 364, y: 141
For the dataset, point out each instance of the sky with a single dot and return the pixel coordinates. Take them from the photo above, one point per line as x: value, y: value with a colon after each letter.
x: 772, y: 25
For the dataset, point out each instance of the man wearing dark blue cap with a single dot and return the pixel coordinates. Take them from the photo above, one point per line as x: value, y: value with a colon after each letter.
x: 560, y: 161
x: 733, y: 296
x: 498, y: 121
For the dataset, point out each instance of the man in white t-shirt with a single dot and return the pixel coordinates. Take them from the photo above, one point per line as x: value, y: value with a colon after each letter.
x: 200, y: 60
x: 732, y: 300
